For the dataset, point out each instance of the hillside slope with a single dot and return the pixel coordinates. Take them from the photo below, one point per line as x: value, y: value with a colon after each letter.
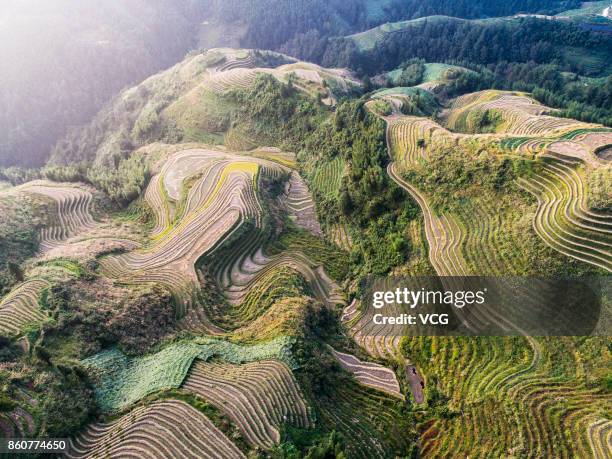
x: 475, y: 229
x: 212, y: 270
x: 63, y: 61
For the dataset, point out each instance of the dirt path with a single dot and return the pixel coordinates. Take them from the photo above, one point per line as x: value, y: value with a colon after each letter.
x: 417, y: 383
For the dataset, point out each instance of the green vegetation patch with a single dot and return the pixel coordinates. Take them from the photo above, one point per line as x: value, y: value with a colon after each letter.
x: 436, y: 71
x: 121, y: 380
x: 382, y: 107
x: 200, y: 116
x: 327, y: 176
x: 478, y: 121
x: 417, y: 71
x: 512, y: 143
x: 319, y: 251
x: 280, y: 284
x: 274, y: 114
x: 453, y: 174
x: 591, y: 61
x: 415, y: 101
x: 370, y: 38
x: 599, y: 189
x: 57, y: 396
x: 573, y: 134
x: 372, y: 423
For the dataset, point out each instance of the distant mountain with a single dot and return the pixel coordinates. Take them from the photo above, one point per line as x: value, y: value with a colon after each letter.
x: 62, y: 60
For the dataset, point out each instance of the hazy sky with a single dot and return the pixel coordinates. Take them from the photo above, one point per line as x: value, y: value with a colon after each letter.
x: 62, y: 59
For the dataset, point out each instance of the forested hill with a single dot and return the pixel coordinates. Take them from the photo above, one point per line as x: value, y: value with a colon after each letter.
x: 62, y: 60
x: 303, y: 26
x: 563, y: 64
x: 411, y: 9
x: 485, y: 42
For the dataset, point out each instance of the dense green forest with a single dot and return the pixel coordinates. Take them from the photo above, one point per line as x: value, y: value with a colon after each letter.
x: 276, y: 24
x: 398, y: 10
x: 437, y: 39
x: 269, y: 24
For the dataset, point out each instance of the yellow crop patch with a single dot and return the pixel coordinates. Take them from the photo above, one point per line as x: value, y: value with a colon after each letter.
x: 248, y: 167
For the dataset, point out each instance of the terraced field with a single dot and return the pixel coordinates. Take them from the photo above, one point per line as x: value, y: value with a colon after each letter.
x: 239, y: 70
x: 373, y: 340
x: 169, y: 428
x: 245, y: 279
x: 122, y: 380
x: 219, y: 206
x: 259, y: 397
x: 17, y: 423
x: 276, y: 155
x: 259, y: 296
x: 327, y: 177
x: 248, y: 270
x: 410, y: 136
x: 227, y: 68
x: 300, y: 206
x: 340, y: 235
x: 73, y: 211
x: 585, y: 145
x: 443, y: 233
x: 545, y: 415
x: 235, y: 237
x: 192, y: 101
x: 71, y: 231
x: 154, y: 196
x: 519, y: 114
x: 370, y: 418
x: 21, y: 306
x: 563, y: 219
x: 221, y: 199
x: 600, y: 437
x: 190, y: 194
x: 370, y: 374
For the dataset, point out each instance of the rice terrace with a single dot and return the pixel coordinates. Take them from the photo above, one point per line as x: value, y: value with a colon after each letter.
x: 197, y: 198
